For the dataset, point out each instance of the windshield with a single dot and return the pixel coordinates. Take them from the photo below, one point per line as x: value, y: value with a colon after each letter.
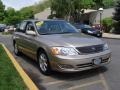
x: 55, y: 27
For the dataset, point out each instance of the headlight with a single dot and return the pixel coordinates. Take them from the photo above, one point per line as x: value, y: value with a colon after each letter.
x: 64, y: 51
x: 89, y: 31
x: 105, y: 47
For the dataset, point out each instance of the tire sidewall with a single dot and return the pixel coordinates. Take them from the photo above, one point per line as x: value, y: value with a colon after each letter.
x: 48, y: 71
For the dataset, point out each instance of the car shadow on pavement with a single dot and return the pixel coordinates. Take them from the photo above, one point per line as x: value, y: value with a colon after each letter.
x: 79, y: 75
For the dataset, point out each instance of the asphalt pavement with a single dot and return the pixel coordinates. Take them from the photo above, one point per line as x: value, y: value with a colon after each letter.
x: 104, y: 78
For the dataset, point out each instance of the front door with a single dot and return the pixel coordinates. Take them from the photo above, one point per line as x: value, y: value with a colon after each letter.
x: 30, y: 45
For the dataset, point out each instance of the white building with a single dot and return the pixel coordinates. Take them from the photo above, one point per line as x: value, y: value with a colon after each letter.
x: 106, y: 13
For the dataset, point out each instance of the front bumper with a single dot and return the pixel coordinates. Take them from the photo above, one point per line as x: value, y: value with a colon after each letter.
x: 79, y: 62
x: 96, y: 34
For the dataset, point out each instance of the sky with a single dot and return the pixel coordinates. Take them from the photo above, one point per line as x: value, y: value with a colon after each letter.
x: 18, y: 4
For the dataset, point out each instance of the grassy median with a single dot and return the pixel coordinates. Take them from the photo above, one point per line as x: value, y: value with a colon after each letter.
x: 9, y: 77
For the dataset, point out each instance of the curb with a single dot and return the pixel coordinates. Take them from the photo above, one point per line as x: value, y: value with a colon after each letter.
x: 111, y: 38
x: 29, y: 83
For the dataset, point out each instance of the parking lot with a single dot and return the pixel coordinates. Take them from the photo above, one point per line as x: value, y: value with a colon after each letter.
x: 104, y: 78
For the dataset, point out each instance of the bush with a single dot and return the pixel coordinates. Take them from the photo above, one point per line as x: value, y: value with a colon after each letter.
x: 116, y: 26
x: 107, y: 24
x: 116, y: 18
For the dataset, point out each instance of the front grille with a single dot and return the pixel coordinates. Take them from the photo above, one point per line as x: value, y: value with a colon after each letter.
x: 85, y: 65
x: 90, y: 49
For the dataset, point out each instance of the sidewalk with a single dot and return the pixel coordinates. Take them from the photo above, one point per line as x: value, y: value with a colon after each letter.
x: 111, y: 36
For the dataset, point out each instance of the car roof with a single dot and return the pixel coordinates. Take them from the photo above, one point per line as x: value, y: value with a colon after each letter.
x: 2, y: 25
x: 34, y: 20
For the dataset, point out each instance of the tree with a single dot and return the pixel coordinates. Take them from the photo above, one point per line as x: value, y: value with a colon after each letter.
x: 116, y: 17
x: 60, y: 7
x: 109, y: 3
x: 12, y: 17
x: 2, y: 11
x: 98, y: 3
x: 117, y: 12
x: 26, y: 13
x: 69, y: 8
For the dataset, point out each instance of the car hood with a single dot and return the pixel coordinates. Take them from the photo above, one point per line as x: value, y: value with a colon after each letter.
x: 74, y: 40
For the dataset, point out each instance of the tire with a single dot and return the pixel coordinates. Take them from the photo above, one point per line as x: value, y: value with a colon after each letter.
x: 16, y: 50
x: 43, y: 62
x: 100, y: 36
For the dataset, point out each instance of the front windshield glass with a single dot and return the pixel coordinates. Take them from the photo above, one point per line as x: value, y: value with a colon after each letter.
x: 55, y: 27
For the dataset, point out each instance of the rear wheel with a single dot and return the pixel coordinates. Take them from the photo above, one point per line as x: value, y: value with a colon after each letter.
x: 100, y: 35
x: 44, y: 63
x: 16, y: 50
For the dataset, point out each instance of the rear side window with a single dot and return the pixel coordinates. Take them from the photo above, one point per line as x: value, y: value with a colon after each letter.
x: 21, y: 27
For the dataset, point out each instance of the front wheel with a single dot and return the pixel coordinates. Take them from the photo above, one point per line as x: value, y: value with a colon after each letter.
x: 44, y: 63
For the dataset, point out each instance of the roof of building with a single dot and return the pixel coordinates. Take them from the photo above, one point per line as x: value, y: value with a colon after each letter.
x: 89, y: 10
x: 43, y: 15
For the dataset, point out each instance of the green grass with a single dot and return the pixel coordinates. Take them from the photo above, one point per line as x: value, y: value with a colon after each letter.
x: 9, y: 77
x: 6, y: 33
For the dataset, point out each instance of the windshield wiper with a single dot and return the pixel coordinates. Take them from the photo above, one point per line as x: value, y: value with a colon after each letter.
x: 55, y: 33
x: 65, y: 32
x: 45, y: 33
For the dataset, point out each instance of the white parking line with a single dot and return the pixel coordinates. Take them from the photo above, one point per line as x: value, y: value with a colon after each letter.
x: 83, y: 85
x: 52, y: 83
x: 104, y: 81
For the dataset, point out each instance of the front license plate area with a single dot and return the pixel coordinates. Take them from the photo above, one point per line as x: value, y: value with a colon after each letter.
x: 97, y: 61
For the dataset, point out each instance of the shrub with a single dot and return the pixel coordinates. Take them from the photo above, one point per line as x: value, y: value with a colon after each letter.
x: 116, y: 26
x: 107, y: 24
x: 116, y: 18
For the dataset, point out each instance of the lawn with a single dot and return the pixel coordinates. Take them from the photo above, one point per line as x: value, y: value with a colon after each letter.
x: 9, y: 77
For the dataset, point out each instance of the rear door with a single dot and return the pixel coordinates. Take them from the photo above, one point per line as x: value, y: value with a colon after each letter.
x: 18, y: 36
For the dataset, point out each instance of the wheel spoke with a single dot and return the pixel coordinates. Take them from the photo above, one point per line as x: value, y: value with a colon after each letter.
x: 44, y: 67
x: 43, y: 62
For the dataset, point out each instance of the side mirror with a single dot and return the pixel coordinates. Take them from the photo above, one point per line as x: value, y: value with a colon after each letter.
x: 33, y: 33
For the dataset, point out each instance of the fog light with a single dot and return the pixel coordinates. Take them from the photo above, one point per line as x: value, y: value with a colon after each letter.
x: 65, y: 66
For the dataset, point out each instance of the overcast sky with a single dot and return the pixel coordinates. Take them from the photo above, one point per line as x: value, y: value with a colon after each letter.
x: 18, y: 4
